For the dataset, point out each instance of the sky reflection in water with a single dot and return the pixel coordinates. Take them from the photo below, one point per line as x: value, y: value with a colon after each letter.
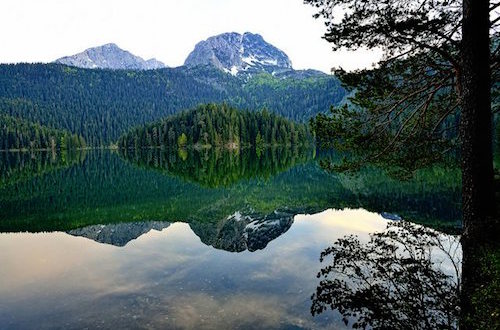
x: 170, y: 278
x: 245, y: 257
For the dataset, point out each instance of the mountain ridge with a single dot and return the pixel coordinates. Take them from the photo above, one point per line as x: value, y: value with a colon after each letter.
x: 243, y: 55
x: 237, y: 53
x: 109, y: 56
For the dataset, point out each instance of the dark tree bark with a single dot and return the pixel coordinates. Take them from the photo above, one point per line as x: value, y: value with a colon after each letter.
x: 476, y: 121
x: 478, y: 195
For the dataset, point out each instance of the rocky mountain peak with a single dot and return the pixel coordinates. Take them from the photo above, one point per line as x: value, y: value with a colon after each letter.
x: 236, y: 53
x: 109, y: 56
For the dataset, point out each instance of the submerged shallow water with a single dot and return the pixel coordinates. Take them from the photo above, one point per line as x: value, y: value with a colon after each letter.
x: 188, y: 240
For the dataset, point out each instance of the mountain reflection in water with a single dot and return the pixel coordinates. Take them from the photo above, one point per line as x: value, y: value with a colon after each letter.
x: 170, y: 278
x: 100, y: 239
x: 237, y: 233
x: 118, y: 234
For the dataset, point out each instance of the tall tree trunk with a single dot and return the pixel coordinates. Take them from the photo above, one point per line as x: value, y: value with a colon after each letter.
x: 478, y: 195
x: 476, y: 124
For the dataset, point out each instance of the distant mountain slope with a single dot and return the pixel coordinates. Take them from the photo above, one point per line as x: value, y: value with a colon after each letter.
x: 109, y: 56
x: 237, y: 53
x: 101, y: 105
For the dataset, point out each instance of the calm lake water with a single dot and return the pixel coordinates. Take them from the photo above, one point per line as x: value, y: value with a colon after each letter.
x: 187, y: 239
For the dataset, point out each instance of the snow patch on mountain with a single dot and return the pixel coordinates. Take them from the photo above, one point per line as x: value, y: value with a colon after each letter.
x: 235, y: 53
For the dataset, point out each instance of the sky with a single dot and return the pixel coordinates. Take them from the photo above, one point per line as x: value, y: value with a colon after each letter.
x: 44, y: 30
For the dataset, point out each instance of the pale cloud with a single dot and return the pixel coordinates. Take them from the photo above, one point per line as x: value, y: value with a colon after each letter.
x: 41, y: 31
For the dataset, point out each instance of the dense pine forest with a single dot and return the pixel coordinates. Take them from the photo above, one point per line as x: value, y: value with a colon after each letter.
x: 20, y: 134
x: 101, y: 105
x: 217, y: 125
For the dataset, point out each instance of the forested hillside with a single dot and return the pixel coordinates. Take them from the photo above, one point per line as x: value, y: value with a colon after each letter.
x: 100, y: 105
x: 20, y: 134
x: 217, y: 125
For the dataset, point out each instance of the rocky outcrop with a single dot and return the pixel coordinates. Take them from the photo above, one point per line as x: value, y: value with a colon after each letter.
x: 239, y: 53
x: 109, y: 56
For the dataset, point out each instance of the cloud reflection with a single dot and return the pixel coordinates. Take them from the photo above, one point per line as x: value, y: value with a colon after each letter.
x: 170, y: 278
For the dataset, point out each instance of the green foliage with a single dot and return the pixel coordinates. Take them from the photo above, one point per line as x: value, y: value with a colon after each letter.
x: 399, y: 117
x: 486, y: 300
x: 42, y: 193
x: 101, y: 105
x: 182, y: 140
x: 218, y: 125
x: 294, y: 98
x: 20, y: 134
x: 405, y: 113
x: 259, y: 142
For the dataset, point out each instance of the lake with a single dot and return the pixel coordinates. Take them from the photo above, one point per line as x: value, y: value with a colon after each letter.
x: 208, y: 239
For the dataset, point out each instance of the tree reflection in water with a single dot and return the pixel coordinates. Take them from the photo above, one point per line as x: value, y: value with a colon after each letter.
x: 407, y: 277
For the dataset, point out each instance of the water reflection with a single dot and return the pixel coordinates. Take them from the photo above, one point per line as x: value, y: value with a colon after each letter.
x: 240, y: 232
x: 170, y: 278
x: 237, y: 233
x: 16, y: 167
x: 110, y: 250
x: 101, y: 189
x: 218, y: 167
x: 406, y: 277
x: 119, y: 234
